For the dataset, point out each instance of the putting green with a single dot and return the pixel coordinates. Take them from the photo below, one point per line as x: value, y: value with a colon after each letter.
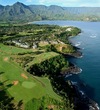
x: 28, y: 84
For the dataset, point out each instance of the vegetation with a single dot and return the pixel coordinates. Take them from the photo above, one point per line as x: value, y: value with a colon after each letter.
x: 46, y: 103
x: 49, y: 38
x: 6, y: 101
x: 34, y: 49
x: 50, y: 66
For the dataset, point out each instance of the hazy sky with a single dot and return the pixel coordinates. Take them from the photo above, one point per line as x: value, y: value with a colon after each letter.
x: 67, y: 3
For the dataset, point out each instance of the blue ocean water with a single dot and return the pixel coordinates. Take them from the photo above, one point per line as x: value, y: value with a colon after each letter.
x: 89, y: 41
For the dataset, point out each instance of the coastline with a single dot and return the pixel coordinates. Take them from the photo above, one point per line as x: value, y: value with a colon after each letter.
x: 73, y: 69
x: 77, y: 54
x: 81, y: 100
x: 80, y: 97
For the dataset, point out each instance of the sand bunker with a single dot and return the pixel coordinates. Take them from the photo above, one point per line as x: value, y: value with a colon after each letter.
x: 24, y: 76
x: 51, y: 107
x: 15, y: 82
x: 5, y: 59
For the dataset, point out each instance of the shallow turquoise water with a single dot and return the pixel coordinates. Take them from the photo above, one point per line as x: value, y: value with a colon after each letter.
x: 90, y: 62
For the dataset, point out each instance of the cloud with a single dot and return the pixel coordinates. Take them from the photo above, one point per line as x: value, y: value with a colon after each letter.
x: 70, y: 3
x: 29, y: 1
x: 57, y: 2
x: 64, y: 3
x: 90, y: 5
x: 42, y: 1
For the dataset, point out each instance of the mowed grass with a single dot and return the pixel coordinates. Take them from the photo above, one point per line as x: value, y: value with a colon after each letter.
x: 12, y: 50
x: 42, y: 57
x: 12, y: 73
x: 28, y: 84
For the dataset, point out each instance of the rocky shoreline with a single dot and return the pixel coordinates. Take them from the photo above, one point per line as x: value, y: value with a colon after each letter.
x: 73, y: 69
x: 81, y: 100
x: 76, y: 54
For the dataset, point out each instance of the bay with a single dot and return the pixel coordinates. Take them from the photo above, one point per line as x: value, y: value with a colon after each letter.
x: 89, y: 41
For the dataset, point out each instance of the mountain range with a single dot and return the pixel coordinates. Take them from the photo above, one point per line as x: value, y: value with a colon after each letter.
x: 20, y: 12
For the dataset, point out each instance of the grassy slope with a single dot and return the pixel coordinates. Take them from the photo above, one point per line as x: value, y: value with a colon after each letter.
x: 42, y: 57
x: 12, y: 72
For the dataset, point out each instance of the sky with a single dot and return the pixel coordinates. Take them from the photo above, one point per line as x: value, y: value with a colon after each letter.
x: 64, y: 3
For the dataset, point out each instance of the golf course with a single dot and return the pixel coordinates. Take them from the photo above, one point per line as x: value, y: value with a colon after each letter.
x: 31, y: 63
x: 18, y: 83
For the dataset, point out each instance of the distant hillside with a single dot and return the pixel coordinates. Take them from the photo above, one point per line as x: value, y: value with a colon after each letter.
x: 22, y: 13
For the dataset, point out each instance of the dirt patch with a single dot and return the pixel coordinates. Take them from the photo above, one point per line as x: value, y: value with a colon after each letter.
x: 60, y: 48
x: 5, y: 59
x: 51, y: 107
x: 24, y: 76
x: 15, y: 82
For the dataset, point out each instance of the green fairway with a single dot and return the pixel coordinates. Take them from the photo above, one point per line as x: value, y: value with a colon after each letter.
x: 42, y: 57
x: 18, y: 86
x: 12, y: 50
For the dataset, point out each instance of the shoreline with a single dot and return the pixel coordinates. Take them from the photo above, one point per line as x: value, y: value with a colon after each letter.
x: 76, y: 54
x: 73, y: 69
x: 80, y: 97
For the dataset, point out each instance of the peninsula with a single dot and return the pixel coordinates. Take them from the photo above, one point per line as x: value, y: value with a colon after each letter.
x: 32, y: 63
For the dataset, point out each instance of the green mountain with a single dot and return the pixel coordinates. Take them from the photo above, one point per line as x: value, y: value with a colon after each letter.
x: 23, y: 13
x: 17, y: 12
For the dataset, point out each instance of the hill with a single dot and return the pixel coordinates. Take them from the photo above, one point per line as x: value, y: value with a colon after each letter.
x: 20, y: 12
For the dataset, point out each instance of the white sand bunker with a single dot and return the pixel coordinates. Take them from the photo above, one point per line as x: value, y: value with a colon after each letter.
x: 28, y: 84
